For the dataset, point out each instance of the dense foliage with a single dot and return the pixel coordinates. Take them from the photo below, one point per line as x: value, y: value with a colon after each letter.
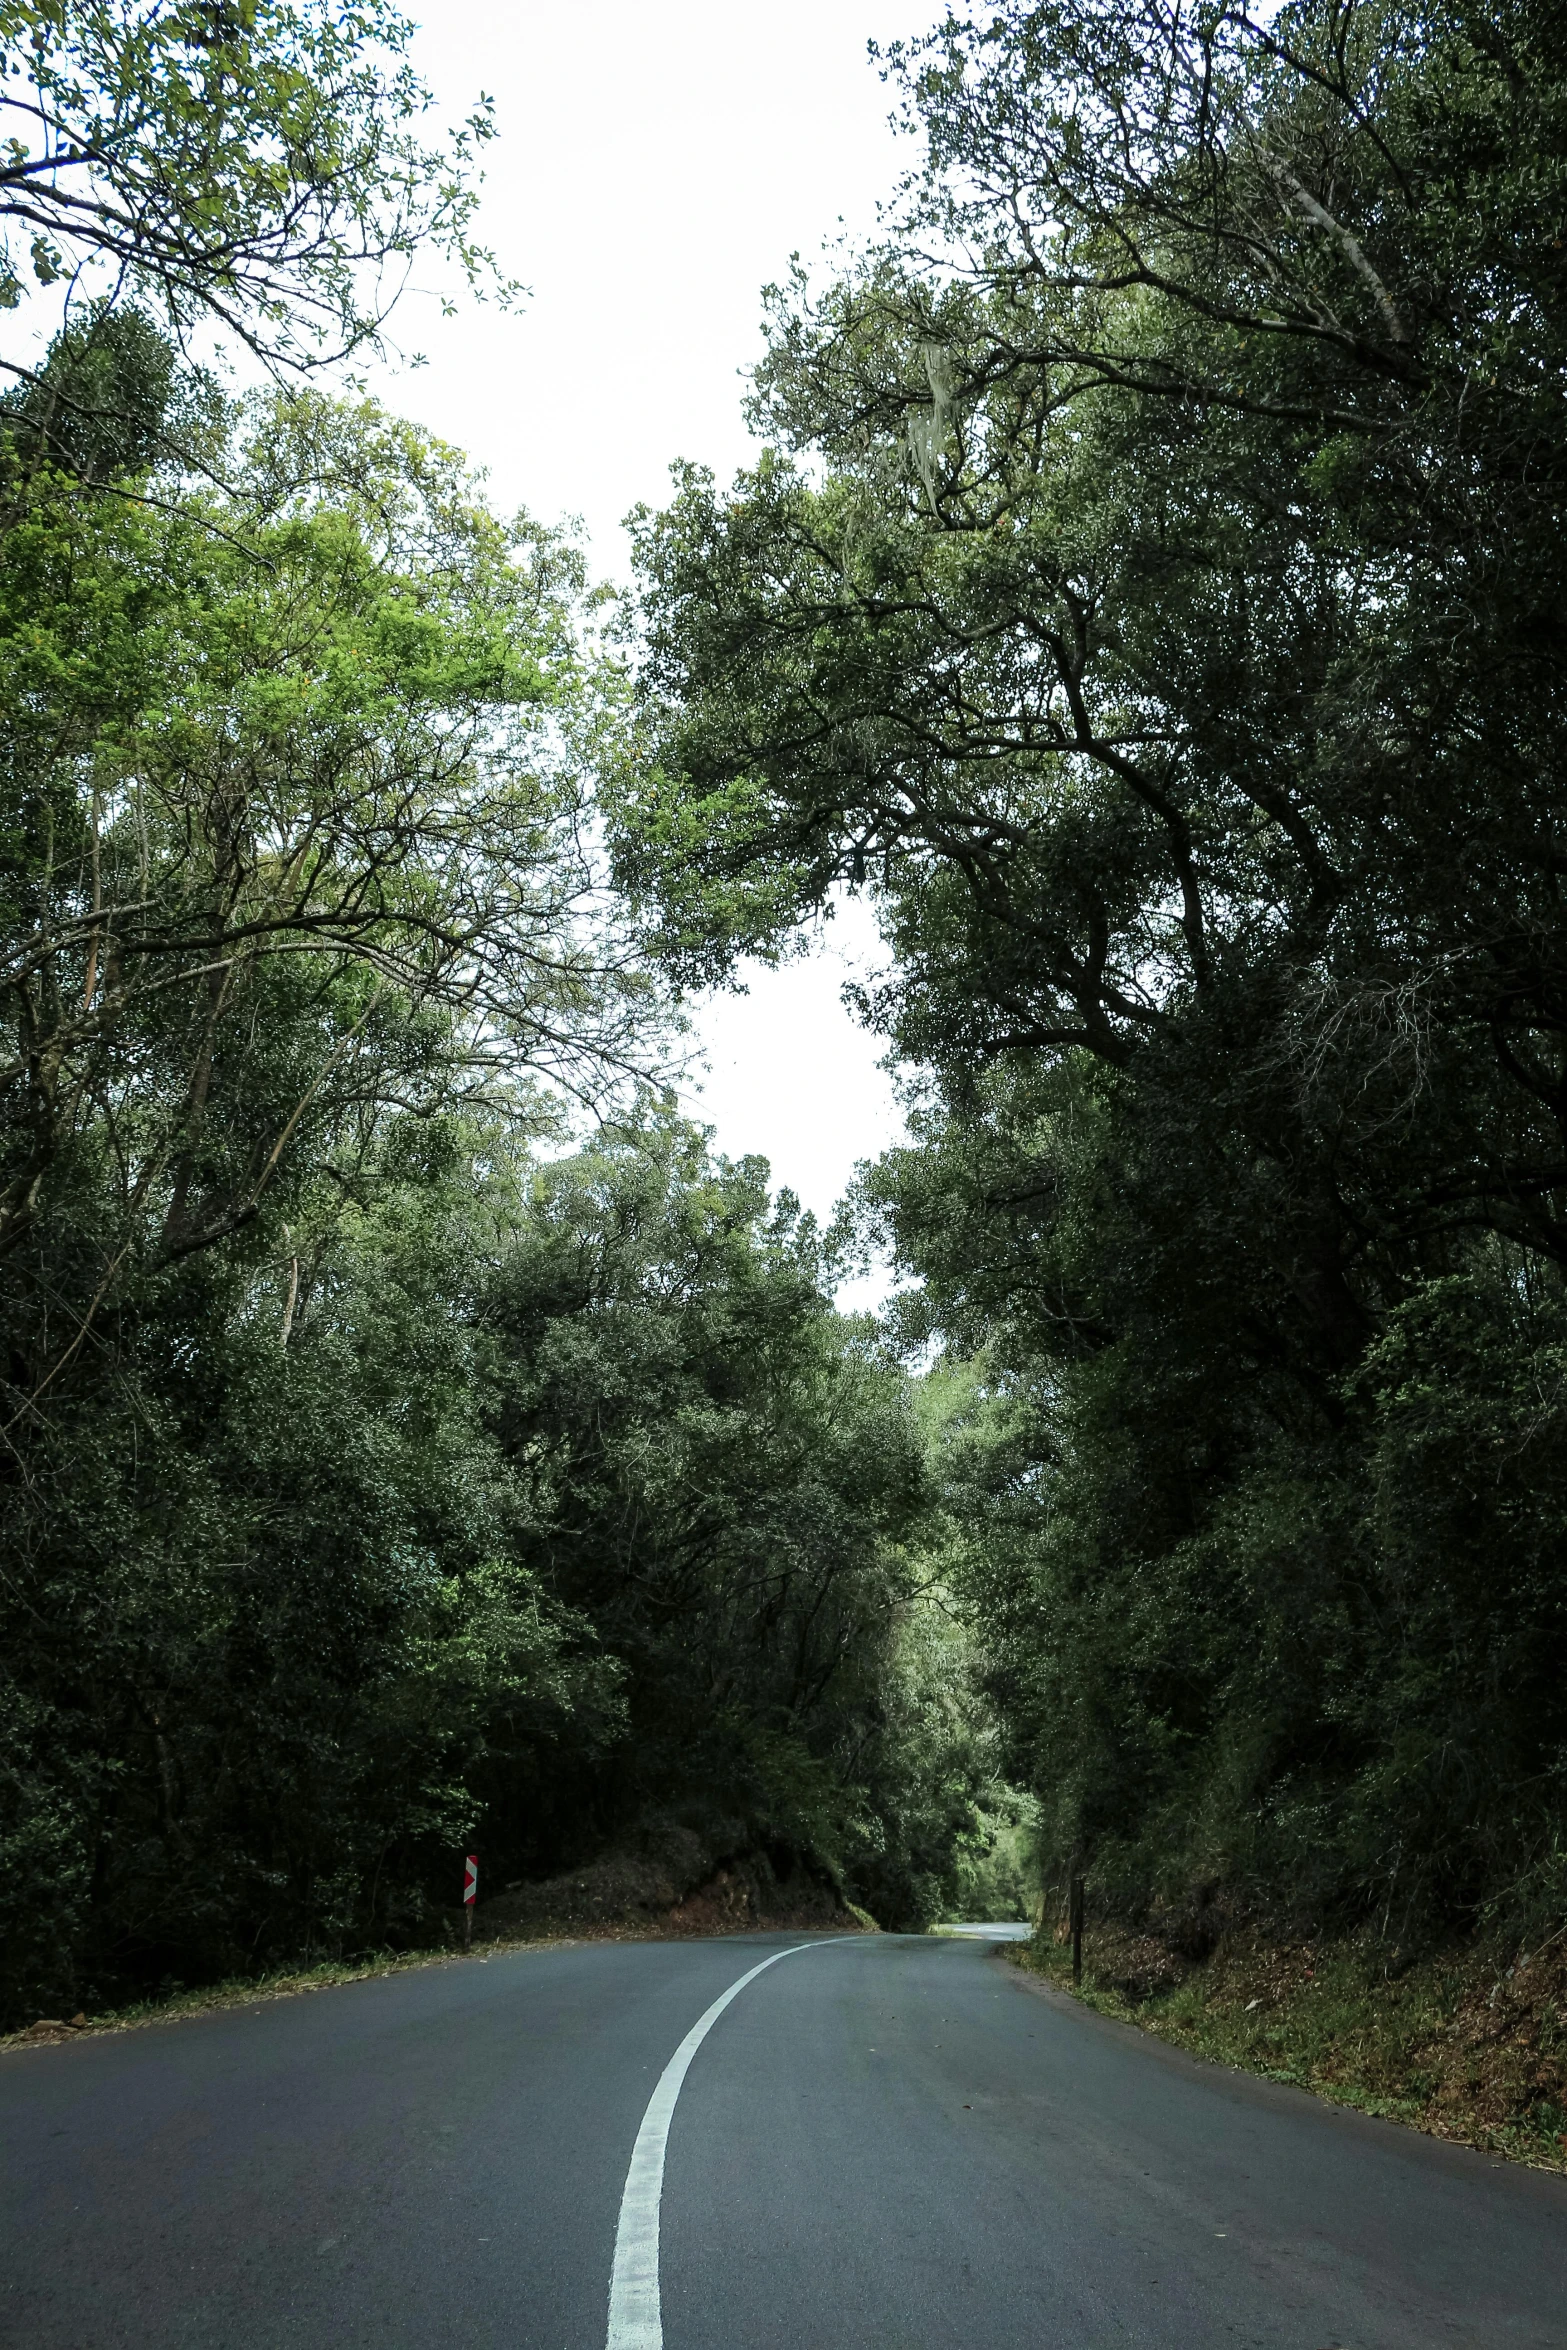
x: 1152, y: 596
x: 374, y: 1484
x: 1164, y: 618
x: 387, y: 1465
x: 521, y: 1504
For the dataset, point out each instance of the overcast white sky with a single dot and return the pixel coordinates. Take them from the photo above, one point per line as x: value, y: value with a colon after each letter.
x: 656, y: 167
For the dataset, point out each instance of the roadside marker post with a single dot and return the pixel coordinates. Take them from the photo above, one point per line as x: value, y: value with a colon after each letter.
x: 470, y: 1894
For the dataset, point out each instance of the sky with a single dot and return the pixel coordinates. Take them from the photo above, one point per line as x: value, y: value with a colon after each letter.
x: 656, y: 167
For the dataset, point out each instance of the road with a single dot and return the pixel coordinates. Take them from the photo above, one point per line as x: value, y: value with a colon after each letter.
x: 880, y: 2143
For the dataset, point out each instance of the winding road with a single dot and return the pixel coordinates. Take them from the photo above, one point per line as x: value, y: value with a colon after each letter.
x: 759, y: 2143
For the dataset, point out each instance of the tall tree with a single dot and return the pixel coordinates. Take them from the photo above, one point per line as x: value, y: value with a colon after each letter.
x: 1163, y: 624
x: 311, y: 733
x: 1168, y: 631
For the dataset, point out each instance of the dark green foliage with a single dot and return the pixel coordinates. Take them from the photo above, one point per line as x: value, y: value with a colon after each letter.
x: 369, y: 1488
x: 724, y: 1469
x: 370, y: 1484
x: 100, y: 406
x: 1170, y: 631
x: 1237, y: 1645
x: 568, y: 1501
x: 264, y: 1608
x: 724, y: 1478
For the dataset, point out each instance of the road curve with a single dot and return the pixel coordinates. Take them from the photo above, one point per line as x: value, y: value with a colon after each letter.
x: 881, y: 2143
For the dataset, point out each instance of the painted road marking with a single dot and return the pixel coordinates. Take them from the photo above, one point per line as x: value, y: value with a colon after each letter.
x: 635, y: 2316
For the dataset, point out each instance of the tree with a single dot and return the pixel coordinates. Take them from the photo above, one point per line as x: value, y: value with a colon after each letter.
x: 727, y: 1479
x: 303, y: 739
x: 269, y: 1613
x: 470, y: 1495
x: 295, y: 883
x: 1167, y: 631
x: 1149, y: 710
x: 254, y: 167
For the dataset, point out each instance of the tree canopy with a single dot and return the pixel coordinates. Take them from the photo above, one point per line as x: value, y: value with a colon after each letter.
x: 256, y: 167
x: 1150, y: 598
x: 387, y: 1463
x: 1153, y: 599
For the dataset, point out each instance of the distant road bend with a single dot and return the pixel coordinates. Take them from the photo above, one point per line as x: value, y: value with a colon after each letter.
x: 757, y: 2143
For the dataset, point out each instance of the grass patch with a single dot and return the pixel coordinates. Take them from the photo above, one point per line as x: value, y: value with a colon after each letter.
x: 1457, y: 2044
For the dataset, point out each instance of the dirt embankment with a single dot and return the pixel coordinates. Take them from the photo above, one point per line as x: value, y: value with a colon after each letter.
x: 671, y: 1882
x: 1463, y: 2043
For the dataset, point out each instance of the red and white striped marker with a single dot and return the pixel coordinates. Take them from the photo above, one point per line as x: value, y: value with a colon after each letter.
x: 470, y: 1879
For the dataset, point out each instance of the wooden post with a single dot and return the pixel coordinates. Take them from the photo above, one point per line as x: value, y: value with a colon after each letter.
x: 1075, y: 1923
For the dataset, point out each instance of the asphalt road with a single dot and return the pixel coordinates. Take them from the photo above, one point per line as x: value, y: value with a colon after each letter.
x: 881, y: 2144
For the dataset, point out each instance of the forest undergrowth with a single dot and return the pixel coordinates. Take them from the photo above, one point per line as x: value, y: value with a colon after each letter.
x: 1458, y: 2042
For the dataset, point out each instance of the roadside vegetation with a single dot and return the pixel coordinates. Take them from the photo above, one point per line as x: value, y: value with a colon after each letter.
x: 413, y: 1439
x: 1152, y: 598
x: 1452, y: 2043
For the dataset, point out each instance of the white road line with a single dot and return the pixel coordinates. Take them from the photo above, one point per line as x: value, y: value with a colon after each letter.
x: 635, y: 2316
